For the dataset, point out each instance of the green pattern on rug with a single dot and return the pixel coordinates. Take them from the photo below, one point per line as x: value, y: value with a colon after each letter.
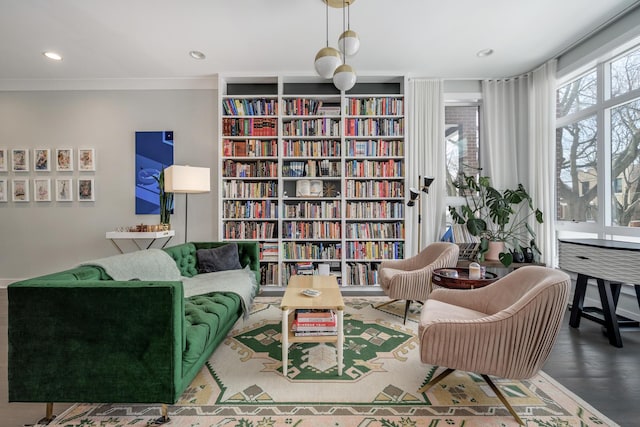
x: 243, y: 386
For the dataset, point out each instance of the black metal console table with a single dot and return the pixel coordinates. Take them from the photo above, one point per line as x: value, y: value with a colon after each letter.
x: 611, y: 263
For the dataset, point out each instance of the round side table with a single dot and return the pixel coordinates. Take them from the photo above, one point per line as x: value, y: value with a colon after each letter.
x: 458, y: 278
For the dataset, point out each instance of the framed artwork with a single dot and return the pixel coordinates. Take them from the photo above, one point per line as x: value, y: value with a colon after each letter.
x: 3, y: 160
x: 20, y: 190
x: 3, y: 190
x: 20, y: 160
x: 86, y: 190
x: 154, y: 152
x: 64, y: 190
x: 86, y: 159
x: 41, y: 160
x: 64, y: 159
x: 42, y: 189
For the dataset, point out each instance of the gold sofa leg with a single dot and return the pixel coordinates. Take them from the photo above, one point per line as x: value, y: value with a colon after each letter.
x: 48, y: 417
x: 494, y: 387
x: 164, y: 416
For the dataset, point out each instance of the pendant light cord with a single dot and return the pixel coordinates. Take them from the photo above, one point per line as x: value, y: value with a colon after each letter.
x: 344, y: 39
x: 327, y: 21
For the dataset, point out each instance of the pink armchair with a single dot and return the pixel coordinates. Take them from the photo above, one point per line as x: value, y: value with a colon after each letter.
x: 410, y: 279
x: 506, y: 329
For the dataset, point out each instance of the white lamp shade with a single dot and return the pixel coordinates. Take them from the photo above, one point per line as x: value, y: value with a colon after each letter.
x: 344, y: 77
x: 349, y: 43
x: 187, y: 179
x: 327, y: 60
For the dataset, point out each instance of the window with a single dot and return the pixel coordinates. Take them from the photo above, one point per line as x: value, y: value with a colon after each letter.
x: 462, y: 139
x: 598, y: 144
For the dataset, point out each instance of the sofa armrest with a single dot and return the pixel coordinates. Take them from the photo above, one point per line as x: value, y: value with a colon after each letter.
x: 114, y: 341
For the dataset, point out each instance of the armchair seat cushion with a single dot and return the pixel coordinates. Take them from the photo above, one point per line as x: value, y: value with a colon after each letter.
x: 437, y: 311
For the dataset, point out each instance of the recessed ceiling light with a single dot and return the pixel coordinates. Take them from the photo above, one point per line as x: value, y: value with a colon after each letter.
x: 53, y: 55
x: 196, y: 54
x: 484, y: 53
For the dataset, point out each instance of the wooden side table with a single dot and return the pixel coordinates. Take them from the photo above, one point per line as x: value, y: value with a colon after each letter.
x: 462, y: 280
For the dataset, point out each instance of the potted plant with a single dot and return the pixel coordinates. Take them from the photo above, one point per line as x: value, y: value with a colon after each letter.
x: 497, y: 216
x: 165, y: 202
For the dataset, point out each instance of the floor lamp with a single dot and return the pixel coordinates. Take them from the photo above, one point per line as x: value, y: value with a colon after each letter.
x: 414, y: 195
x: 187, y: 180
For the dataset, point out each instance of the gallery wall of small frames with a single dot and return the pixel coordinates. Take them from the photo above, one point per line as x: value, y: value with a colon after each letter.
x: 47, y: 175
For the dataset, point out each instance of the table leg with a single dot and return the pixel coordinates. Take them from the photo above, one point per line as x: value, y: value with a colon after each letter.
x: 340, y: 342
x: 578, y: 300
x: 284, y: 338
x: 609, y: 311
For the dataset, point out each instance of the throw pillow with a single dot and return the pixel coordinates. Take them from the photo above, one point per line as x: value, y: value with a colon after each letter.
x: 222, y: 258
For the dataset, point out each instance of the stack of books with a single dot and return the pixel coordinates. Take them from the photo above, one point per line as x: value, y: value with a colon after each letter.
x: 316, y: 322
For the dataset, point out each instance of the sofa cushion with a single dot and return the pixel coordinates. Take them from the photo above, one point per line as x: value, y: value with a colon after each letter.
x: 222, y: 258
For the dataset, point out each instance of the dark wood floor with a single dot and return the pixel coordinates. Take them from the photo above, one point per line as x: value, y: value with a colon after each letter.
x: 582, y: 360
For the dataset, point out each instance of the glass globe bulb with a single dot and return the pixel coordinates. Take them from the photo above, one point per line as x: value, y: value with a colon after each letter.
x: 344, y: 77
x: 327, y: 60
x: 349, y: 43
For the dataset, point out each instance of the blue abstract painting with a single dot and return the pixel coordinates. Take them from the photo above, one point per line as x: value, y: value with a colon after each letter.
x: 154, y: 152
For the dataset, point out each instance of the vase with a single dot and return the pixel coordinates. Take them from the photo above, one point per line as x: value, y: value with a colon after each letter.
x: 493, y: 253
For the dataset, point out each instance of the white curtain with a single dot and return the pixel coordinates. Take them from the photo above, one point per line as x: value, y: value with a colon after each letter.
x: 542, y: 152
x: 425, y: 156
x: 518, y: 143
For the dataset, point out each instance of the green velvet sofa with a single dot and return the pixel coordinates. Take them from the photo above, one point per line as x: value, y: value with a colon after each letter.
x: 80, y: 336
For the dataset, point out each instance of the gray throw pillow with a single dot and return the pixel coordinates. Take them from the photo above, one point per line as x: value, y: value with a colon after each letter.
x: 221, y: 258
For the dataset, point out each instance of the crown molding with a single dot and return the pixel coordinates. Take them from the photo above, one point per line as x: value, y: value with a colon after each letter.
x: 109, y: 84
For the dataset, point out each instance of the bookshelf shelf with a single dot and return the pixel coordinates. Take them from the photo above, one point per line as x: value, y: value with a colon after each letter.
x: 314, y: 175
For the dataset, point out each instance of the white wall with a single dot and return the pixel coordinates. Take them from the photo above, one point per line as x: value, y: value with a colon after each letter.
x: 43, y: 237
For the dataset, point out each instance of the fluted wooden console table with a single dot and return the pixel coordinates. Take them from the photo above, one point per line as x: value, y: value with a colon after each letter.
x: 611, y: 263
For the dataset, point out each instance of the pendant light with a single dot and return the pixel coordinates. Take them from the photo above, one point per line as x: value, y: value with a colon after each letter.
x: 344, y: 78
x: 327, y: 59
x: 349, y: 42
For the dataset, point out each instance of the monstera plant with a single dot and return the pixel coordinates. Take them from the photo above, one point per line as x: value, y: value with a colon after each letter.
x: 497, y: 216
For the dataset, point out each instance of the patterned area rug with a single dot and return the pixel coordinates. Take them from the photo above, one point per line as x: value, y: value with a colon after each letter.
x: 242, y: 384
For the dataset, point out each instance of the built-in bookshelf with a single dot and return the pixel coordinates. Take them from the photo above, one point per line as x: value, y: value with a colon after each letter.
x: 316, y: 176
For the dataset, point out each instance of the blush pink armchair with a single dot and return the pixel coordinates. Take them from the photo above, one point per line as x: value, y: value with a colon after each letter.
x: 410, y: 279
x: 506, y: 329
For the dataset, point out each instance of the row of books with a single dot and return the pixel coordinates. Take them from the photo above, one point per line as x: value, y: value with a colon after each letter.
x: 380, y: 230
x: 269, y: 251
x: 376, y: 106
x: 253, y: 169
x: 375, y: 250
x: 376, y: 210
x: 374, y: 127
x: 311, y: 168
x: 311, y: 230
x: 322, y: 209
x: 374, y: 168
x: 250, y: 230
x: 268, y: 274
x: 314, y: 322
x: 250, y: 107
x: 242, y: 189
x: 362, y: 273
x: 375, y: 147
x: 309, y: 107
x: 250, y: 209
x: 308, y: 250
x: 249, y: 126
x: 382, y: 189
x: 315, y: 127
x: 305, y: 148
x: 250, y: 148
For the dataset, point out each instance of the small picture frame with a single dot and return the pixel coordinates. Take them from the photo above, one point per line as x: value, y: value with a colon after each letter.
x: 86, y: 190
x: 20, y: 190
x: 42, y: 189
x: 64, y: 190
x: 86, y: 159
x: 3, y: 190
x: 20, y: 160
x: 64, y: 159
x: 3, y: 160
x: 41, y: 160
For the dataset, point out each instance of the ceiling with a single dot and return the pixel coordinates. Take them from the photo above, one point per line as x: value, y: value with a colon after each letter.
x: 149, y: 39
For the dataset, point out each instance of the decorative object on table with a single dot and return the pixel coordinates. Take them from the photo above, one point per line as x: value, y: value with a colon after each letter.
x: 459, y: 278
x: 42, y: 160
x: 64, y: 159
x: 86, y: 159
x: 499, y: 218
x: 187, y: 180
x: 415, y: 197
x: 20, y: 160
